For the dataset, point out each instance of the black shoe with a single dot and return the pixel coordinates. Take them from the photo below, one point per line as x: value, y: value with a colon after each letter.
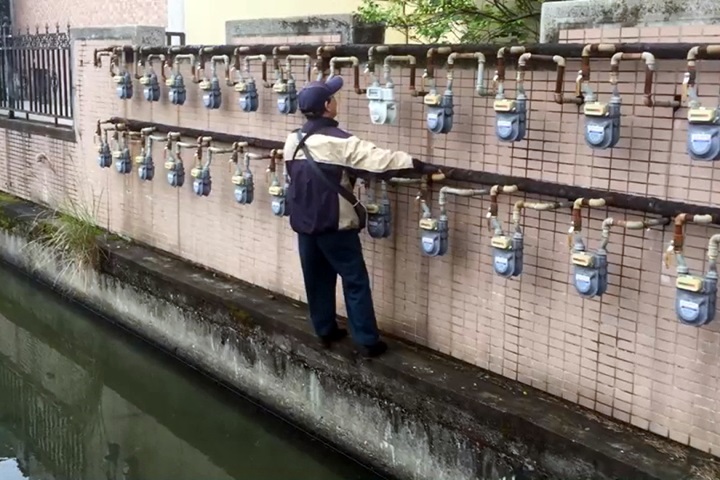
x: 335, y: 336
x: 371, y: 351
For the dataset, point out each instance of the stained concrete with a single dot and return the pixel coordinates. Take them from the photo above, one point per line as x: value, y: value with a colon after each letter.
x: 624, y: 13
x: 348, y: 26
x: 412, y: 413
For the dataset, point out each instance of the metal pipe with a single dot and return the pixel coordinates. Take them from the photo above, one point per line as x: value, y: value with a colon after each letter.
x: 678, y: 241
x: 429, y: 73
x: 649, y: 60
x: 480, y: 81
x: 276, y: 60
x: 321, y: 63
x: 578, y: 204
x: 493, y: 210
x: 541, y: 207
x: 355, y: 63
x: 697, y: 52
x: 629, y: 225
x: 461, y: 192
x: 582, y: 87
x: 148, y: 63
x: 713, y: 251
x: 559, y: 76
x: 308, y: 65
x: 400, y: 59
x: 191, y: 58
x: 224, y: 59
x: 239, y: 59
x: 502, y: 53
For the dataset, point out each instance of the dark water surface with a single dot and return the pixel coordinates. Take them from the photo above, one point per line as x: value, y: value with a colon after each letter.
x: 83, y: 400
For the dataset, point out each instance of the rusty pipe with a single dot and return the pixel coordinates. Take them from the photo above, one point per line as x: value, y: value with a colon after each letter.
x: 263, y: 61
x: 276, y: 60
x: 678, y: 241
x: 496, y: 190
x: 559, y: 75
x: 149, y: 60
x: 321, y: 59
x: 690, y: 77
x: 480, y: 57
x: 591, y: 50
x: 410, y: 59
x: 372, y: 57
x: 577, y: 210
x: 191, y: 58
x: 499, y: 77
x: 355, y: 63
x: 429, y: 74
x: 649, y: 60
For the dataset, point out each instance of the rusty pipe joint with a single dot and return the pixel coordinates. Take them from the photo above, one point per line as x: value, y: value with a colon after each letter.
x: 308, y: 65
x: 499, y: 77
x: 247, y: 60
x: 429, y: 73
x: 577, y: 210
x: 649, y: 60
x: 689, y: 87
x: 321, y: 62
x: 678, y: 241
x: 713, y: 251
x: 355, y: 63
x: 582, y: 83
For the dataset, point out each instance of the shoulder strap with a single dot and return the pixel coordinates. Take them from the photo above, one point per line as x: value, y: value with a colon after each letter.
x: 339, y: 189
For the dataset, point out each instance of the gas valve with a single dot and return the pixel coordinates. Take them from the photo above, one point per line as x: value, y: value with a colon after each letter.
x: 703, y: 136
x: 379, y: 219
x: 244, y: 183
x: 510, y: 118
x: 433, y: 233
x: 124, y: 84
x: 508, y: 254
x: 440, y: 109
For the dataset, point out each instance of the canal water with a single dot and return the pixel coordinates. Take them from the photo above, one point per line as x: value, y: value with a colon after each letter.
x: 81, y: 399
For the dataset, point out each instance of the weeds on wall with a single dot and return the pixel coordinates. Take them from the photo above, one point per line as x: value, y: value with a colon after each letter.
x: 69, y: 233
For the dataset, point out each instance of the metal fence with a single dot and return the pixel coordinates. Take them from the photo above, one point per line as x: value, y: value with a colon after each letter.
x: 36, y: 74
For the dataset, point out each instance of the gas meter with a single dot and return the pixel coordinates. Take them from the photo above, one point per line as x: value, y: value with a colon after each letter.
x: 202, y: 183
x: 244, y: 183
x: 175, y: 171
x: 696, y: 298
x: 433, y: 234
x: 287, y: 95
x: 278, y: 201
x: 212, y: 96
x: 123, y: 164
x: 602, y: 122
x: 382, y: 106
x: 703, y: 135
x: 248, y: 95
x: 379, y: 220
x: 146, y: 167
x: 590, y: 275
x: 510, y: 118
x: 508, y: 254
x: 124, y: 84
x: 177, y: 93
x: 439, y: 117
x: 151, y: 87
x: 105, y: 157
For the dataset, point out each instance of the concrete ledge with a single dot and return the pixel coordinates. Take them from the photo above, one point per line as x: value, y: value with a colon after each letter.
x: 66, y: 134
x: 624, y: 13
x: 412, y: 413
x: 135, y: 34
x: 345, y: 25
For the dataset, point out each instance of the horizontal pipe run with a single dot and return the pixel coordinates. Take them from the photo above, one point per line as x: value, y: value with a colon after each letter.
x: 661, y: 51
x: 625, y: 201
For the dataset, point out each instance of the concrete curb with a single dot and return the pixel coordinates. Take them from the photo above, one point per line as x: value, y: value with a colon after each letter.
x: 413, y: 413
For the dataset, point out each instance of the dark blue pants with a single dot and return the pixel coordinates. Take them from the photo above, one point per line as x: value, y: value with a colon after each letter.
x: 323, y: 257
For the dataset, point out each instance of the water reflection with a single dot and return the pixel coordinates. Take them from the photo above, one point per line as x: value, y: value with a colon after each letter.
x: 80, y: 401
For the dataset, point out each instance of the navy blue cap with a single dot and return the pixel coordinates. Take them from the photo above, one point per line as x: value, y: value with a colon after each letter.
x: 313, y: 97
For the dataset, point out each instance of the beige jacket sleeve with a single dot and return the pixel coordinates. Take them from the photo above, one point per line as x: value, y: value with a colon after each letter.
x: 364, y: 155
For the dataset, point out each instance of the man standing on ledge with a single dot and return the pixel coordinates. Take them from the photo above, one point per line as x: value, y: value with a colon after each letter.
x: 323, y: 162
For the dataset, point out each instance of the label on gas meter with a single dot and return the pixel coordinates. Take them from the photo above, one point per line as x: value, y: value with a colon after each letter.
x: 504, y: 123
x: 700, y: 137
x: 581, y: 277
x: 595, y: 129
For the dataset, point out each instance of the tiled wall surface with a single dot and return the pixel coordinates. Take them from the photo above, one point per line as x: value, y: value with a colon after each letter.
x: 625, y: 355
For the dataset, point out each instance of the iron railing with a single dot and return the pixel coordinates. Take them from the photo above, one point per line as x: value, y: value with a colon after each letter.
x: 174, y: 38
x: 36, y: 74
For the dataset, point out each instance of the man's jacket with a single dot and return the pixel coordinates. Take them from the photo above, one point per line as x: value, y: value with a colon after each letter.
x: 314, y: 208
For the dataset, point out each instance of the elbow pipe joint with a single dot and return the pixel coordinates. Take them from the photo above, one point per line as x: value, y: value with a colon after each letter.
x: 679, y: 231
x: 589, y: 51
x: 649, y: 60
x: 321, y: 63
x: 577, y: 210
x: 355, y: 63
x: 409, y: 59
x: 502, y: 54
x: 480, y: 58
x: 429, y: 74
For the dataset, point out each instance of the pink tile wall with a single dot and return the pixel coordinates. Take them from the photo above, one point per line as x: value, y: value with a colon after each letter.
x: 89, y: 13
x: 625, y: 355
